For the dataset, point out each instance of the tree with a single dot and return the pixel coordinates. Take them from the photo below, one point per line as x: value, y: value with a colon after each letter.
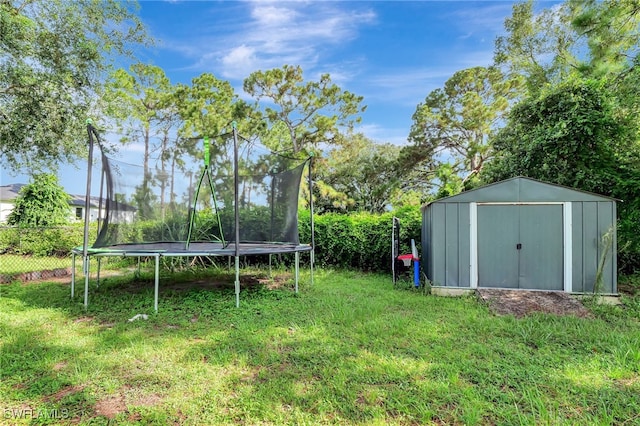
x: 208, y: 108
x: 314, y: 111
x: 611, y: 29
x: 209, y: 105
x: 42, y: 202
x: 595, y: 38
x: 537, y: 45
x: 363, y: 174
x: 53, y: 57
x: 569, y: 135
x: 143, y: 103
x: 572, y: 134
x: 454, y: 124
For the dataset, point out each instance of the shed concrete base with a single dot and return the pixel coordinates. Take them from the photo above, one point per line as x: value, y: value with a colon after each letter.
x: 520, y: 303
x: 451, y: 291
x: 603, y: 299
x: 524, y: 302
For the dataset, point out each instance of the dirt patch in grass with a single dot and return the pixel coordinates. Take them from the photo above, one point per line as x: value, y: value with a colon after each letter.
x: 520, y: 303
x: 148, y: 400
x: 45, y: 275
x: 247, y: 281
x: 60, y: 365
x: 111, y: 406
x: 64, y: 392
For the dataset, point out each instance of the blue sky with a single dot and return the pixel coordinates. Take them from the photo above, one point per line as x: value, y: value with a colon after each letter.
x: 393, y: 53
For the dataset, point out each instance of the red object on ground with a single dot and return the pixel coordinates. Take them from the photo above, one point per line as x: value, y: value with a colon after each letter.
x: 407, y: 257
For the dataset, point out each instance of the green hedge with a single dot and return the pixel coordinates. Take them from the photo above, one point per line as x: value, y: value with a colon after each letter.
x: 41, y: 241
x: 360, y: 240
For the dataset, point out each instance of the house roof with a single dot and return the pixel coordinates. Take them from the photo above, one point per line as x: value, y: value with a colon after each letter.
x: 11, y: 192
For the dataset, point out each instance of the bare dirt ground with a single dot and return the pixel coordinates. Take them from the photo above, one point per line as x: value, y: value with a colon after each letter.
x: 521, y: 302
x: 518, y: 303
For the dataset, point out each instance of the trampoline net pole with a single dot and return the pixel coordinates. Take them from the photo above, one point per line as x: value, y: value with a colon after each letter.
x: 192, y: 211
x: 73, y: 274
x: 313, y: 246
x: 297, y: 269
x: 236, y: 184
x: 237, y: 282
x: 87, y: 201
x: 156, y: 283
x: 86, y: 283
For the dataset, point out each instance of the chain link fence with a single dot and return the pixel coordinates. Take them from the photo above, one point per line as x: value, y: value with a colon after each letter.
x: 37, y: 253
x: 29, y: 253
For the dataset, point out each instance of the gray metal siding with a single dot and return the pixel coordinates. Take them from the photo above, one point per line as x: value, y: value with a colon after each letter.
x: 498, y: 234
x: 541, y: 256
x: 457, y: 245
x: 447, y: 229
x: 577, y: 244
x: 591, y: 221
x: 606, y: 223
x: 464, y: 246
x: 446, y: 239
x: 452, y: 258
x: 438, y: 238
x: 426, y: 261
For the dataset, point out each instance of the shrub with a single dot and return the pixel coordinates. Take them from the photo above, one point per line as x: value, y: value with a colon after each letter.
x: 359, y: 240
x: 41, y: 241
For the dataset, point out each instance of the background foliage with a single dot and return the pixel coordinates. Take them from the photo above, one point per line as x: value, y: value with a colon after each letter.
x: 559, y: 103
x: 359, y: 241
x: 42, y: 202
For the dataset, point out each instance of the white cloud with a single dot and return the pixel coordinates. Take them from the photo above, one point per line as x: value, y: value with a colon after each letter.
x: 272, y: 34
x: 240, y: 59
x: 383, y: 134
x: 485, y: 18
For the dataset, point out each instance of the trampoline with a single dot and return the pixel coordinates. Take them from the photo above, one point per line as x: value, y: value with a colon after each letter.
x: 240, y: 199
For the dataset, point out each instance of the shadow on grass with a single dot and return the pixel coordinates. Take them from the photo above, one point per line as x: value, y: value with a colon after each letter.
x: 350, y: 350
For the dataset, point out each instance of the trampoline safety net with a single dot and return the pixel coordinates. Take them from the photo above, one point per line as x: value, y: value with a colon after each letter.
x: 179, y: 198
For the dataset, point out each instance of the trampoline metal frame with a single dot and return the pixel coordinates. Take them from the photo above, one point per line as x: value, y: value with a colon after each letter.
x: 159, y: 254
x: 225, y: 249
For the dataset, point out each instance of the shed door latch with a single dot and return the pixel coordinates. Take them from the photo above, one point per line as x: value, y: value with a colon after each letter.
x: 518, y: 246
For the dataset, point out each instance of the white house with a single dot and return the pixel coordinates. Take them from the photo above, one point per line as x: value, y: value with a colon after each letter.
x: 8, y: 194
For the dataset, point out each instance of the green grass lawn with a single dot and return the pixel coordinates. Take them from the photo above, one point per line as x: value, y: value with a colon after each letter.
x: 351, y: 349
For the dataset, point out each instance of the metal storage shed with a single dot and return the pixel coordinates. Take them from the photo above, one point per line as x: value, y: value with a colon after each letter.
x: 520, y: 233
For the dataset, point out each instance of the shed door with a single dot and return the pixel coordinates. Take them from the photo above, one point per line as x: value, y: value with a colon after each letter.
x: 520, y: 246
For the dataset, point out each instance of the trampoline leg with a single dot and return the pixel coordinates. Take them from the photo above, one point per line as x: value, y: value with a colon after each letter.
x: 237, y: 282
x: 270, y: 274
x: 85, y: 263
x: 297, y: 269
x: 311, y: 260
x: 157, y: 282
x: 98, y: 275
x: 73, y: 274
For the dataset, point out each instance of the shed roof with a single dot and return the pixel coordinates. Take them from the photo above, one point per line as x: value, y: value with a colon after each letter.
x: 522, y: 189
